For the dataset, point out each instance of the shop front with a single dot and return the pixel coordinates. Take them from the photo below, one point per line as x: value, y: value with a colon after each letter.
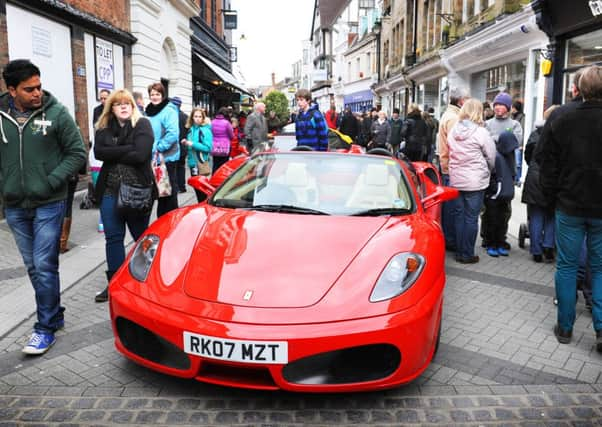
x: 504, y: 56
x: 214, y: 85
x: 359, y: 101
x: 575, y: 31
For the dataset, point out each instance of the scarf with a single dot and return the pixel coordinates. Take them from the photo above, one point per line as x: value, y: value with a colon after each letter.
x: 152, y: 109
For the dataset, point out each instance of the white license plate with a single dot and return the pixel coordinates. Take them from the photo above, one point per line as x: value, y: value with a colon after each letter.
x: 275, y: 352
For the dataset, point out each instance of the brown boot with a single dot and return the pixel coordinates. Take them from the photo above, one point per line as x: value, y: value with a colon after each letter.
x: 65, y: 235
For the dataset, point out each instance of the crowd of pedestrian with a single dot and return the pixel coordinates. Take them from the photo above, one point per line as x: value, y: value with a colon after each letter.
x: 478, y: 147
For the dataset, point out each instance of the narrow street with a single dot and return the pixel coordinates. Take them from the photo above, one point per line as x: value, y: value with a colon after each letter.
x: 498, y: 362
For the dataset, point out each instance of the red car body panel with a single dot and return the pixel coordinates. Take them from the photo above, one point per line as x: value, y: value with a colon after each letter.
x: 252, y: 275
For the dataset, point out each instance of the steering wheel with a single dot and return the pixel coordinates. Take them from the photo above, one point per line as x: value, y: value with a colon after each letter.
x: 302, y: 148
x: 379, y: 151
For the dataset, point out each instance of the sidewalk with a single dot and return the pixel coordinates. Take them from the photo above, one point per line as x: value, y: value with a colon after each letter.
x: 87, y: 252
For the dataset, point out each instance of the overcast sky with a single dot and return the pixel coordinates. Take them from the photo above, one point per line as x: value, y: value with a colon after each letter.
x: 274, y: 30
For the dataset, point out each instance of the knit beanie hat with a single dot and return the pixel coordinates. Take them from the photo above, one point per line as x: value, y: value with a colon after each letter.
x: 504, y: 99
x: 177, y: 101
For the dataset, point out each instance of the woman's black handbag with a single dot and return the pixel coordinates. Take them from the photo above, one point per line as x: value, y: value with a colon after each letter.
x: 134, y: 200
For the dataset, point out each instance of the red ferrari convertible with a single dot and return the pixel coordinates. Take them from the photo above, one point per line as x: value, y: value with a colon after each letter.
x: 302, y: 271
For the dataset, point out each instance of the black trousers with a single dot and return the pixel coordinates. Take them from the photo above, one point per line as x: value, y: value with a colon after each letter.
x: 494, y: 222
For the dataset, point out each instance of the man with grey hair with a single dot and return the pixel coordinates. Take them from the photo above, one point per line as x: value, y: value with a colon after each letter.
x: 571, y: 177
x: 256, y: 127
x: 457, y: 96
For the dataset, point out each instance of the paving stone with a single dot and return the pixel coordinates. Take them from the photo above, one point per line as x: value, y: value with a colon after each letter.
x: 121, y: 417
x: 380, y: 417
x: 149, y: 417
x: 406, y: 416
x: 198, y: 417
x: 460, y: 416
x: 94, y: 415
x: 280, y: 417
x: 62, y: 415
x: 37, y: 414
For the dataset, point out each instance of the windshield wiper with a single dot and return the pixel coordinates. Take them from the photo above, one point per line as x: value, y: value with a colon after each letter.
x: 382, y: 211
x: 231, y: 203
x: 288, y: 209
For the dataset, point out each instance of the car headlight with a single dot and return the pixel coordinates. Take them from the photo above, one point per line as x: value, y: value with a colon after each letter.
x: 144, y: 254
x: 401, y: 273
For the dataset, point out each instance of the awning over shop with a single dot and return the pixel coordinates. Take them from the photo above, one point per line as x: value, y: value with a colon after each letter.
x: 223, y: 74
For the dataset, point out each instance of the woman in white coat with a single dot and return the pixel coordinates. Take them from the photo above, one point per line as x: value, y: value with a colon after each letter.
x: 471, y: 160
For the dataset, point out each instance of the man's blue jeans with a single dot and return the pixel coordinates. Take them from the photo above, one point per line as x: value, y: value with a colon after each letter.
x: 541, y: 229
x: 466, y: 211
x: 37, y: 232
x: 114, y: 227
x: 447, y: 219
x: 570, y: 232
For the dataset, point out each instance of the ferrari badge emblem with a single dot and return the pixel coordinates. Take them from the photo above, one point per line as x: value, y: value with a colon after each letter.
x: 247, y: 296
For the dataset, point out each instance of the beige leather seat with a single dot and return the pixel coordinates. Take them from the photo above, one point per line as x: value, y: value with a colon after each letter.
x: 302, y: 183
x: 374, y: 188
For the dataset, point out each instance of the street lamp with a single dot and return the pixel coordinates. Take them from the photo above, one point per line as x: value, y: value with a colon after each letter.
x: 376, y: 29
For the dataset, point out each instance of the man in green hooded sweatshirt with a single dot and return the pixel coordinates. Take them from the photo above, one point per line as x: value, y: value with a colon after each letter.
x: 40, y: 148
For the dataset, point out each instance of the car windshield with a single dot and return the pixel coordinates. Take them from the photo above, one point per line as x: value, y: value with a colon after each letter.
x: 317, y: 184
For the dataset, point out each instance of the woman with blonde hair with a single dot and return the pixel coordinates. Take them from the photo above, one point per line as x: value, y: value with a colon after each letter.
x: 471, y: 160
x: 124, y: 142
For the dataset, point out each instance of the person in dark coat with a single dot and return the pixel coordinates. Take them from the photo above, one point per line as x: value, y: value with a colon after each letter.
x: 571, y: 177
x: 349, y: 125
x: 396, y: 127
x: 381, y: 132
x: 416, y: 134
x: 124, y: 142
x: 499, y: 195
x: 102, y: 97
x: 541, y: 216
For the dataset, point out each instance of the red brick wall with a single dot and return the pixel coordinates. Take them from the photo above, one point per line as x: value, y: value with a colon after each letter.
x: 80, y: 91
x: 3, y: 47
x: 115, y: 12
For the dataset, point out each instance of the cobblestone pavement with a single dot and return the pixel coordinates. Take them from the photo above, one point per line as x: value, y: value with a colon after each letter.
x: 498, y: 364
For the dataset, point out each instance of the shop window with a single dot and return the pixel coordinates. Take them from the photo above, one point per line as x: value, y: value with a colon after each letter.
x: 508, y: 77
x: 584, y: 50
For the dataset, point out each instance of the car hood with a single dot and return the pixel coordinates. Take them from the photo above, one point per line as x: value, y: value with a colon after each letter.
x: 273, y: 260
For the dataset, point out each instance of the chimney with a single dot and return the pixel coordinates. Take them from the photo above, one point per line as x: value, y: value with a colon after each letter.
x: 273, y: 79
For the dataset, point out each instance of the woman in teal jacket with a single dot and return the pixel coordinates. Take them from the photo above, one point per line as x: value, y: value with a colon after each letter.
x: 163, y: 116
x: 200, y: 143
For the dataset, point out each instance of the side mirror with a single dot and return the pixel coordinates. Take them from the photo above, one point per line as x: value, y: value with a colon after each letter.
x: 202, y: 184
x: 440, y: 195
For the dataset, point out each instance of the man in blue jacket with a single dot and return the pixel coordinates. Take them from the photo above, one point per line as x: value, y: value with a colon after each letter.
x: 310, y: 126
x: 40, y: 148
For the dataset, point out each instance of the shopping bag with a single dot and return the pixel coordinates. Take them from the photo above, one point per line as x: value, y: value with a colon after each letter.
x: 204, y: 168
x: 162, y: 179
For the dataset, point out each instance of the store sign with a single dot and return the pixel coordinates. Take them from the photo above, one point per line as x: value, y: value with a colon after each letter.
x: 105, y: 67
x: 319, y: 75
x: 596, y: 7
x: 230, y: 19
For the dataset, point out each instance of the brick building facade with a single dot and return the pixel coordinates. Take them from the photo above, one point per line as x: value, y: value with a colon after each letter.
x: 75, y: 26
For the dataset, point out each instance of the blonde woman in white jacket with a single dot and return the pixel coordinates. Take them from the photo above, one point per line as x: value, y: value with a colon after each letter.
x: 471, y: 160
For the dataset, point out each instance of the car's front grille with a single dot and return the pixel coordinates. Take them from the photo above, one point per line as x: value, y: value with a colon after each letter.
x: 150, y: 346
